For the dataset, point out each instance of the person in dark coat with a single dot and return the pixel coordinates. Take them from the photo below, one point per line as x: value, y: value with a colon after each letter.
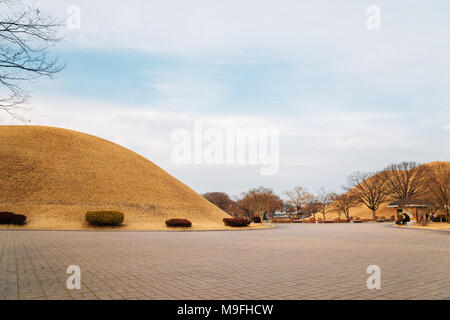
x: 406, y: 218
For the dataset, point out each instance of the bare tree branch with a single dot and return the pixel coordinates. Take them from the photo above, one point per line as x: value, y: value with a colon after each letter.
x: 324, y: 199
x: 260, y: 201
x: 25, y: 37
x: 297, y: 199
x: 369, y: 188
x: 343, y: 203
x: 438, y: 187
x: 405, y: 181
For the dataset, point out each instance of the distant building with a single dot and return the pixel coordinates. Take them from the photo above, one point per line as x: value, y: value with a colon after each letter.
x: 415, y: 207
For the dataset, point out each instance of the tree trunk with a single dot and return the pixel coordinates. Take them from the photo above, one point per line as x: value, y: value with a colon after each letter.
x: 374, y: 215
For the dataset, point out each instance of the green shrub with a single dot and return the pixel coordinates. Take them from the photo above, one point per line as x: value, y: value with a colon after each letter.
x: 12, y: 218
x: 178, y: 223
x: 104, y: 218
x: 236, y: 222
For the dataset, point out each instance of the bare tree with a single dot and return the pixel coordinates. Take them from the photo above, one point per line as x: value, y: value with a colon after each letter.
x: 405, y: 180
x: 221, y: 200
x: 343, y: 203
x: 324, y: 199
x: 369, y: 189
x: 25, y: 36
x: 311, y: 207
x: 438, y: 187
x: 297, y: 198
x: 260, y: 201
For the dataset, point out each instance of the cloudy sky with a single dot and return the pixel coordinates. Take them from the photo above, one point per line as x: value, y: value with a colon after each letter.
x: 344, y: 97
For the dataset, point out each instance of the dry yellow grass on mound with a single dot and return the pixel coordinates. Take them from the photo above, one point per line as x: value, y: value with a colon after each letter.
x: 440, y: 226
x: 54, y: 176
x: 360, y: 211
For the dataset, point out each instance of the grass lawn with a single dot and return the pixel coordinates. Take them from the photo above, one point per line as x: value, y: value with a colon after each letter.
x: 433, y: 226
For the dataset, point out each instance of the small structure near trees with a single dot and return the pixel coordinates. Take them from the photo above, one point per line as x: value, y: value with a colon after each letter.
x: 415, y: 207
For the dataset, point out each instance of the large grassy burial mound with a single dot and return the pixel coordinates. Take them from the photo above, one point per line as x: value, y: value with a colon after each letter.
x: 54, y: 176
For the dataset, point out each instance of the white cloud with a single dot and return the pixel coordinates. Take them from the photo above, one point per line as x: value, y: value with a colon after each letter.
x: 177, y: 26
x: 410, y: 52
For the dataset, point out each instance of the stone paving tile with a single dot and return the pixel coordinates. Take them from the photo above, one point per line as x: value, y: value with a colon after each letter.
x: 289, y: 262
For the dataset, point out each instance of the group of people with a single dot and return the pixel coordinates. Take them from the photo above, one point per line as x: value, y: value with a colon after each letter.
x: 406, y: 218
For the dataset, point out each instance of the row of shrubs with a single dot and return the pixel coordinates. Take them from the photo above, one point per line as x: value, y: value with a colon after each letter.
x: 231, y: 222
x: 115, y: 218
x: 97, y: 218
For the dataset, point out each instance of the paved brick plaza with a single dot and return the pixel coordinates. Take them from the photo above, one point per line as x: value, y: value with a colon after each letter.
x: 289, y: 262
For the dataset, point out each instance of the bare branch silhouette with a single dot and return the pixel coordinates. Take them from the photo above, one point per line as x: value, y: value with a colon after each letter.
x: 25, y: 37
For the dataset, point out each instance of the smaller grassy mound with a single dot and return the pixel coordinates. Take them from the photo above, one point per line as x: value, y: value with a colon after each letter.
x: 236, y: 222
x: 12, y: 218
x: 104, y: 218
x: 182, y: 223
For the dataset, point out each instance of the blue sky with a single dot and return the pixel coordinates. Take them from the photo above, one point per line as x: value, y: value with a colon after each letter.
x: 344, y: 97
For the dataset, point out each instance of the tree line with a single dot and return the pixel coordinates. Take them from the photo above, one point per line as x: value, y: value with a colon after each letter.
x: 402, y: 183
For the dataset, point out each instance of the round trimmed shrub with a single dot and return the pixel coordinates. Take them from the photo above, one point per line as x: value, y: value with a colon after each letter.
x: 104, y: 218
x: 12, y: 218
x: 182, y: 223
x: 236, y: 222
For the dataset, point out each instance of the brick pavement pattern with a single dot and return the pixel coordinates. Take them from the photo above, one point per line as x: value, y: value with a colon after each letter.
x: 293, y: 261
